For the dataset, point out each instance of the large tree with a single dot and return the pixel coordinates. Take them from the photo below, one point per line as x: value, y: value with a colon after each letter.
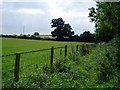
x: 61, y: 29
x: 87, y: 37
x: 36, y: 34
x: 106, y: 18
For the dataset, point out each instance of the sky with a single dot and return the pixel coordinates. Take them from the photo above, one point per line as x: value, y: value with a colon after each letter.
x: 36, y: 16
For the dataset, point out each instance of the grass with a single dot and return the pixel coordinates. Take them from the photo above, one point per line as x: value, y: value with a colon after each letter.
x: 29, y: 62
x: 98, y: 69
x: 20, y: 45
x: 91, y: 67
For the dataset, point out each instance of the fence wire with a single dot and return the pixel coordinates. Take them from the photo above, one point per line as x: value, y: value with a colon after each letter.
x: 31, y: 62
x: 58, y: 53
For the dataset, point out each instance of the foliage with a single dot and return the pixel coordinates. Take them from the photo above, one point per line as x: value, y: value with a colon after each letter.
x: 84, y: 49
x: 21, y: 36
x: 106, y: 18
x: 87, y: 37
x: 82, y: 38
x: 61, y: 29
x: 61, y: 66
x: 98, y: 69
x: 36, y: 34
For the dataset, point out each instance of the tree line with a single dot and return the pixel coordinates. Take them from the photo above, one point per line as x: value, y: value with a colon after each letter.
x: 63, y: 32
x: 85, y: 37
x: 28, y: 36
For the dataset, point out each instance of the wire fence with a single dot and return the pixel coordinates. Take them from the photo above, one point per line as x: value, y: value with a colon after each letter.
x: 21, y: 64
x: 33, y: 62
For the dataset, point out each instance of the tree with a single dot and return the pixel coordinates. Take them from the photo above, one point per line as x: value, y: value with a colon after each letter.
x: 61, y: 29
x: 106, y: 18
x: 87, y: 37
x: 36, y: 34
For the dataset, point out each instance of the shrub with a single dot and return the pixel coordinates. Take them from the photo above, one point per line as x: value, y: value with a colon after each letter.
x: 84, y: 50
x: 46, y: 69
x: 105, y: 71
x: 61, y: 66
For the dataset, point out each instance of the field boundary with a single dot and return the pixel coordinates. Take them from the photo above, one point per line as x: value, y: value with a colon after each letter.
x: 5, y: 55
x: 18, y: 57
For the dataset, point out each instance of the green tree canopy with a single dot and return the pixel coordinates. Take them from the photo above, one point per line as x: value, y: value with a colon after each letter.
x: 61, y: 29
x: 36, y: 34
x: 86, y: 36
x: 106, y: 18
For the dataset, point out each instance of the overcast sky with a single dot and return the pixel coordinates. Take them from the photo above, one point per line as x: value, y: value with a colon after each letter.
x: 36, y: 16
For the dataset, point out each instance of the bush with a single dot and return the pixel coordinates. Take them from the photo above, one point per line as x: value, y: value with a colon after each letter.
x: 61, y: 66
x: 46, y: 69
x: 84, y: 50
x: 105, y: 71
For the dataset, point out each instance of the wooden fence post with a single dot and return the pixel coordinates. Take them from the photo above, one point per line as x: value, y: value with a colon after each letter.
x: 17, y: 65
x: 65, y: 50
x: 77, y: 48
x: 51, y: 58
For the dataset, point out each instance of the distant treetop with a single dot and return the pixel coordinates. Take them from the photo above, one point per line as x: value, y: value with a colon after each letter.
x: 61, y: 30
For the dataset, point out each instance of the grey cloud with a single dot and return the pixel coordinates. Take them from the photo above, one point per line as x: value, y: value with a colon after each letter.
x: 79, y: 6
x: 18, y: 5
x: 13, y: 22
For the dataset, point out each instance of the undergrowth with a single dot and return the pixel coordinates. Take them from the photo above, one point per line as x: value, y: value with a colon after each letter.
x: 90, y: 67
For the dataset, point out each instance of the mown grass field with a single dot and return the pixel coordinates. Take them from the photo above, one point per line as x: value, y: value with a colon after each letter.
x: 10, y: 45
x: 29, y: 62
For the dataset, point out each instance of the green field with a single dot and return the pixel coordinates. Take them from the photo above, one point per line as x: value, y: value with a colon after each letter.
x: 92, y: 66
x: 29, y: 61
x: 20, y: 45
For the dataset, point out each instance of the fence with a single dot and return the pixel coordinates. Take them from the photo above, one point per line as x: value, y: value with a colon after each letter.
x: 17, y: 57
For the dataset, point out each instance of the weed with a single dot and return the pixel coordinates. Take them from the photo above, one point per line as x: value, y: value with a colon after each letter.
x: 84, y: 49
x: 46, y: 69
x: 61, y: 66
